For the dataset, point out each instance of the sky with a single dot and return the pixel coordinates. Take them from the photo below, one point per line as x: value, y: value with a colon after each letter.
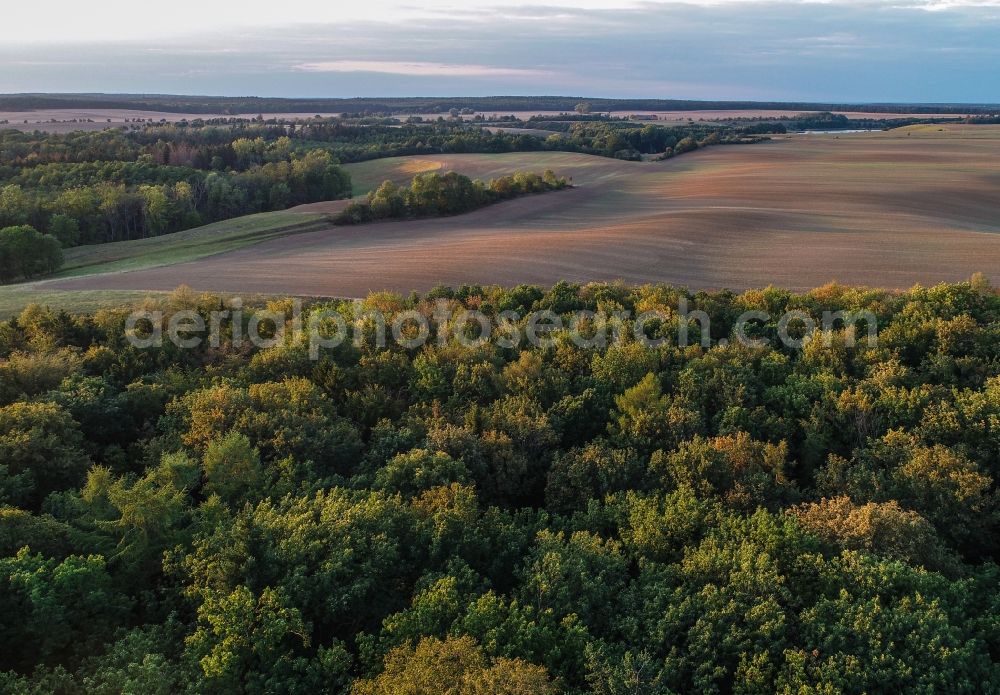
x: 931, y: 51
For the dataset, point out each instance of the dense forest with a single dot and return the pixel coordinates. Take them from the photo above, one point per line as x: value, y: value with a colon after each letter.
x: 478, y: 517
x: 395, y: 105
x: 86, y: 188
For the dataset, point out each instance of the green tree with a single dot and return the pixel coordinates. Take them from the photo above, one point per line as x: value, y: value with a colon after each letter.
x: 65, y: 228
x: 287, y: 418
x: 744, y: 472
x: 25, y: 253
x: 232, y: 468
x: 40, y: 450
x: 418, y: 470
x: 590, y: 473
x: 455, y: 666
x: 55, y: 610
x: 155, y: 209
x: 247, y: 642
x: 581, y: 574
x: 144, y: 516
x: 648, y: 419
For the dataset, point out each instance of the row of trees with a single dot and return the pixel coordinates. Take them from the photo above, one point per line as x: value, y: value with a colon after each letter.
x: 624, y: 139
x: 451, y: 193
x: 474, y: 518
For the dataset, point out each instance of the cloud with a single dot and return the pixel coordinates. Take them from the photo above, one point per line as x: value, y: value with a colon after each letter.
x: 421, y: 69
x: 941, y: 5
x: 808, y: 50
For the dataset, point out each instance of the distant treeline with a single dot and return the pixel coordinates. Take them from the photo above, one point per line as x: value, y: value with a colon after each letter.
x: 253, y: 105
x: 627, y: 140
x: 445, y: 194
x: 838, y: 121
x: 351, y: 142
x: 823, y: 120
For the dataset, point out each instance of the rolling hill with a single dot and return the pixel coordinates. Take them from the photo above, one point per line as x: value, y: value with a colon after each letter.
x: 895, y: 208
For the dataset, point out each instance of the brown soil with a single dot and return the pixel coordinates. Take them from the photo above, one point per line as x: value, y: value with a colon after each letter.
x: 877, y: 209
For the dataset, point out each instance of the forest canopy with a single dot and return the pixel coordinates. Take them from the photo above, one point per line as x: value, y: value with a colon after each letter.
x: 522, y: 519
x: 88, y: 188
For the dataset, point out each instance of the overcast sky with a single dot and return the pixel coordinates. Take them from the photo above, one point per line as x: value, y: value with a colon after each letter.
x: 837, y: 50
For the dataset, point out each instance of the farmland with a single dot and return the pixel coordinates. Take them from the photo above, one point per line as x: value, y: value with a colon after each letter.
x: 915, y: 205
x: 69, y: 120
x: 157, y: 251
x: 56, y: 120
x: 521, y: 348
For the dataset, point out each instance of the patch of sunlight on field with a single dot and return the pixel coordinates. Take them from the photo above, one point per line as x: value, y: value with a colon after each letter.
x: 581, y: 168
x: 945, y: 131
x: 419, y: 166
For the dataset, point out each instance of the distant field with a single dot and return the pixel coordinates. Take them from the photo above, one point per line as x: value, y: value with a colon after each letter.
x: 62, y: 120
x: 703, y: 114
x: 716, y: 114
x: 67, y: 120
x: 891, y: 209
